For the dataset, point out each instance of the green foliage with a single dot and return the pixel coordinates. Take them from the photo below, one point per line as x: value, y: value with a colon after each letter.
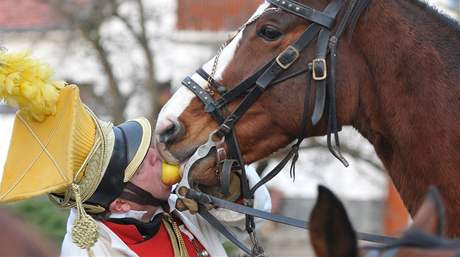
x: 42, y: 214
x: 231, y: 249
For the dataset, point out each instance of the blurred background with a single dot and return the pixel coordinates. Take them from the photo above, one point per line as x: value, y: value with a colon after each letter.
x: 129, y: 56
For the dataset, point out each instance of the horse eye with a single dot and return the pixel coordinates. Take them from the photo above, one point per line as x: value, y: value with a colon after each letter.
x: 269, y: 33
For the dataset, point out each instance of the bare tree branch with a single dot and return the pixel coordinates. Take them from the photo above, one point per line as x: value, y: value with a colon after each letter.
x: 128, y: 25
x: 142, y: 39
x: 132, y: 93
x: 88, y: 27
x: 151, y: 84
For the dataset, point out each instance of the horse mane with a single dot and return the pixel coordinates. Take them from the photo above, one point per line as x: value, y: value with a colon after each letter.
x: 431, y: 9
x: 435, y: 12
x: 359, y: 11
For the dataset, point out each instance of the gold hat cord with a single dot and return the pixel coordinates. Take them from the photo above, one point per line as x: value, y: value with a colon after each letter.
x: 84, y: 230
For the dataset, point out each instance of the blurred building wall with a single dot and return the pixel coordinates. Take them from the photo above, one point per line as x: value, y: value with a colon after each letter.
x: 286, y: 241
x: 26, y: 15
x: 214, y: 15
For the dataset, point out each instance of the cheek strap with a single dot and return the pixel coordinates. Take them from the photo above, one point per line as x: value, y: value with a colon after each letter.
x: 138, y: 195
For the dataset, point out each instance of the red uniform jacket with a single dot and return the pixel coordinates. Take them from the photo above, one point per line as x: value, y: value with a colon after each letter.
x: 157, y: 246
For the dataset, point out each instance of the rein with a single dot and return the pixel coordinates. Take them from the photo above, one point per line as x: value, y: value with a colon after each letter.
x: 319, y: 74
x: 206, y: 199
x: 416, y: 239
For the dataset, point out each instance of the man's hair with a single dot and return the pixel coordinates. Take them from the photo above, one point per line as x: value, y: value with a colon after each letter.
x: 101, y: 216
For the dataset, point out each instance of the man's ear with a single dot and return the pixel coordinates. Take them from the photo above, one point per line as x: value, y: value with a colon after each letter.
x: 430, y: 217
x: 331, y: 232
x: 119, y: 206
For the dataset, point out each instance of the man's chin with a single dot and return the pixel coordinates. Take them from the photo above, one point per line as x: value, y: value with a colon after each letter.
x: 167, y: 193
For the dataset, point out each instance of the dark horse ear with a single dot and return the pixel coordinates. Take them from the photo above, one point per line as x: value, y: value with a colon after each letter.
x: 331, y: 232
x: 430, y: 217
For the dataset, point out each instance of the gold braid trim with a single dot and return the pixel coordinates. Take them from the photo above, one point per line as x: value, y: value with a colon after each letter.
x: 180, y: 250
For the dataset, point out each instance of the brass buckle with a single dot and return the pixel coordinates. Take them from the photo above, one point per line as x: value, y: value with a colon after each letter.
x: 287, y: 65
x: 321, y: 61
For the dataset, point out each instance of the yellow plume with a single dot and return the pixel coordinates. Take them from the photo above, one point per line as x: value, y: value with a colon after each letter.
x: 26, y: 83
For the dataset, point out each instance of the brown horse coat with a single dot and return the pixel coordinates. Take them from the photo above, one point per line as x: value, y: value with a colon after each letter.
x: 398, y: 84
x: 19, y: 239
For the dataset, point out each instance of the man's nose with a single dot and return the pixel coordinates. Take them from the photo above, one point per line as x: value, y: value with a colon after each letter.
x: 170, y: 131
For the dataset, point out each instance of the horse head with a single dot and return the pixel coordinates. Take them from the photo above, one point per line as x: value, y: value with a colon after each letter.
x: 275, y: 119
x: 332, y: 234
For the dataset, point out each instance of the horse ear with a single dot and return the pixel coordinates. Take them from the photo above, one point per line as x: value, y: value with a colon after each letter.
x: 430, y: 217
x: 331, y: 232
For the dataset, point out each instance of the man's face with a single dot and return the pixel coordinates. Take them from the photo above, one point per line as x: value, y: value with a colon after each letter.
x: 148, y: 177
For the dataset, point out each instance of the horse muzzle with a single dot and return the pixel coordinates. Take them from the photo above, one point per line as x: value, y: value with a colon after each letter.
x: 165, y: 153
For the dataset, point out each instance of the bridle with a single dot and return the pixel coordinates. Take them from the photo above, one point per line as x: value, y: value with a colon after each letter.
x: 321, y: 73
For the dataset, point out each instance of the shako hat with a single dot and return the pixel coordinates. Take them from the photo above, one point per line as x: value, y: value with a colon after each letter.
x: 60, y: 148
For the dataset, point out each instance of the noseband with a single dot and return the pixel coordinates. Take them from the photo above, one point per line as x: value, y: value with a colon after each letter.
x: 321, y: 72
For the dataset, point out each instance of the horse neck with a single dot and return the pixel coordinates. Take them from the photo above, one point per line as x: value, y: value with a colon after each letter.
x: 410, y: 108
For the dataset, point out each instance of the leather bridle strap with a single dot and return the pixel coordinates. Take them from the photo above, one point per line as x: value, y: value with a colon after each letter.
x: 282, y: 63
x: 206, y: 199
x: 284, y: 60
x: 355, y: 8
x: 319, y: 70
x: 243, y: 88
x: 322, y: 18
x: 294, y: 151
x: 277, y: 66
x: 215, y: 84
x: 290, y: 76
x: 275, y: 171
x: 209, y: 103
x: 332, y: 128
x: 204, y: 213
x: 225, y: 174
x: 262, y: 78
x: 269, y: 75
x: 303, y: 128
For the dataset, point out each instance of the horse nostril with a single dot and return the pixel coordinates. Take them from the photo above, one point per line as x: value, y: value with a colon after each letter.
x: 171, y: 132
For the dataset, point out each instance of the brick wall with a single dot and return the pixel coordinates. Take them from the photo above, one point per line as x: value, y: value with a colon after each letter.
x: 25, y: 14
x: 214, y: 15
x: 31, y: 14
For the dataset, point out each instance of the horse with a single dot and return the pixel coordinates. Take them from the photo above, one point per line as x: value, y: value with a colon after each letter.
x: 396, y: 81
x: 331, y: 232
x: 19, y: 239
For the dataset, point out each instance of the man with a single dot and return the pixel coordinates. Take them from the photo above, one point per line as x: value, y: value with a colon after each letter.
x: 108, y: 175
x: 143, y: 229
